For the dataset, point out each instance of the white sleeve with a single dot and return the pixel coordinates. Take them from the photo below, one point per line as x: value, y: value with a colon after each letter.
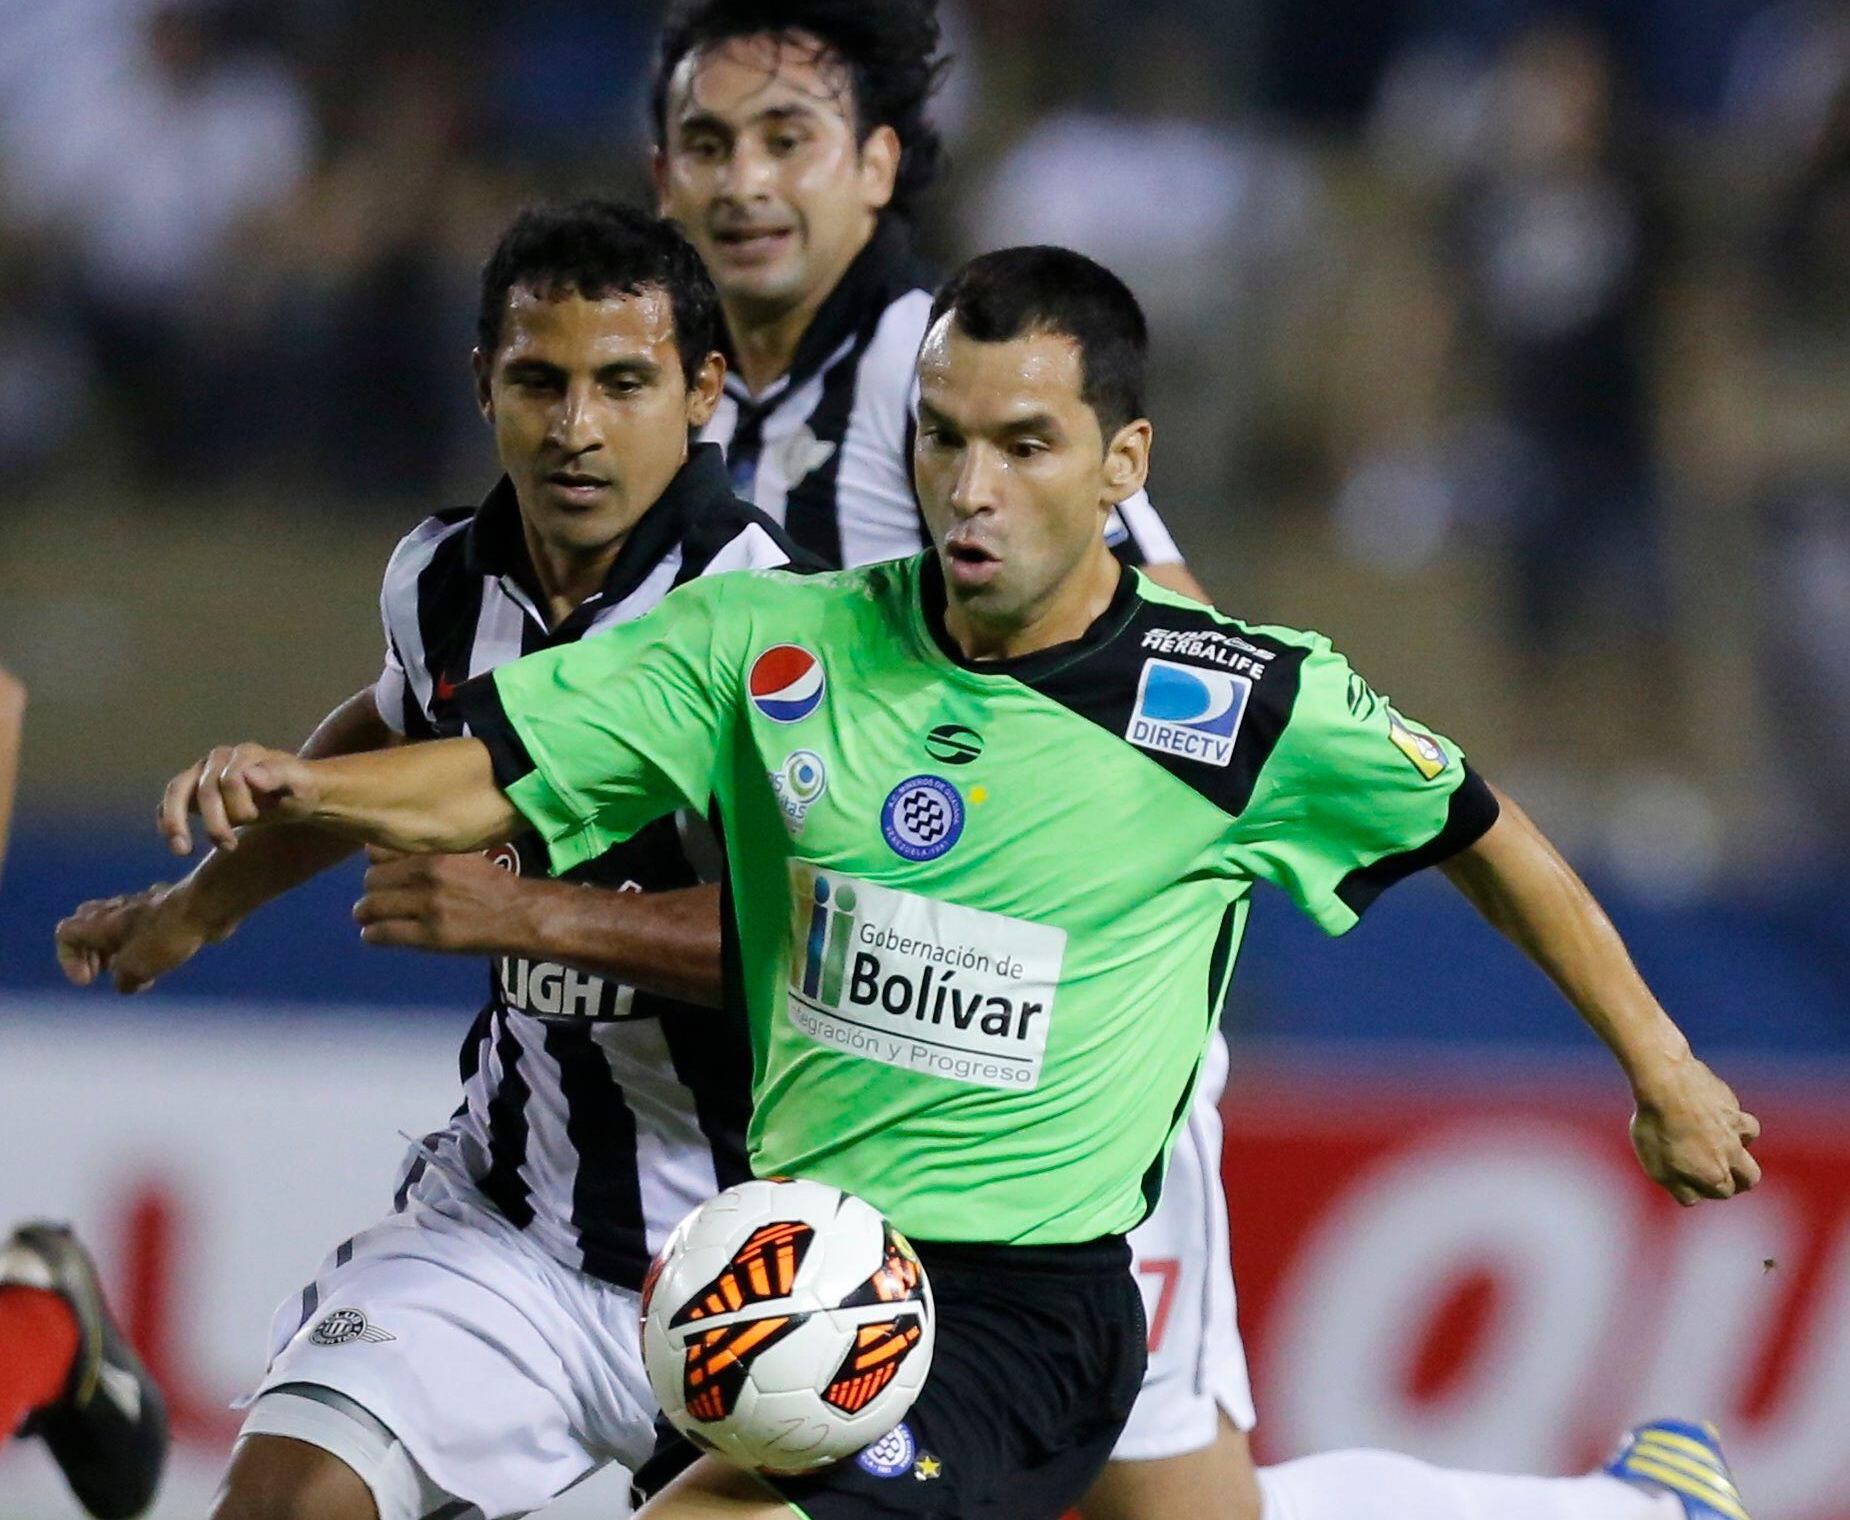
x: 389, y: 690
x: 879, y: 513
x: 404, y: 685
x: 1138, y: 527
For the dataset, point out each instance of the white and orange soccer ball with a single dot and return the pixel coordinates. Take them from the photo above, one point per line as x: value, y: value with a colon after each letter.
x: 785, y: 1325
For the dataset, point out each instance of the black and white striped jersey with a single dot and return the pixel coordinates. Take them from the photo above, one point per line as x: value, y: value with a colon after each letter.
x: 594, y: 1115
x: 827, y: 449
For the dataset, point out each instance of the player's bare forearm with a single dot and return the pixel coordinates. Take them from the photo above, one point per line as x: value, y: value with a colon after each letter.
x: 12, y: 733
x: 228, y: 885
x: 419, y: 798
x: 139, y: 937
x: 1522, y: 886
x: 1689, y: 1131
x: 666, y: 942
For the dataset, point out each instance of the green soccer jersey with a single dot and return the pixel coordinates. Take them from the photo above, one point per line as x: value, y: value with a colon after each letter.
x: 986, y: 913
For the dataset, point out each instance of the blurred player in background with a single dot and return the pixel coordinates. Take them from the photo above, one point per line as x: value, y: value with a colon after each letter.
x: 12, y: 735
x: 792, y: 144
x: 478, y: 1351
x: 1020, y: 619
x: 67, y: 1375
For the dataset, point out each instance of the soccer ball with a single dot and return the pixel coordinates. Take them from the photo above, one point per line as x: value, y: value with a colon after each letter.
x: 785, y: 1325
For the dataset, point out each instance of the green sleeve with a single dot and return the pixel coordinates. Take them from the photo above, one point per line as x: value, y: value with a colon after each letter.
x: 1355, y: 797
x: 594, y: 739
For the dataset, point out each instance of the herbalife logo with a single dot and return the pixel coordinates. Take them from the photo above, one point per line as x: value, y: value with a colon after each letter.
x: 931, y: 986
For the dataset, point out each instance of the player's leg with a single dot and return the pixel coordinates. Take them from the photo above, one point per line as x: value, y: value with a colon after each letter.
x: 1384, y: 1485
x: 1212, y: 1482
x: 1184, y: 1449
x: 283, y: 1478
x: 69, y: 1377
x: 715, y: 1490
x: 440, y: 1362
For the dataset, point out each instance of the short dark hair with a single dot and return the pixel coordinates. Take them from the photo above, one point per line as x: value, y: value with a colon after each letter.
x: 1011, y: 293
x: 889, y: 47
x: 594, y: 249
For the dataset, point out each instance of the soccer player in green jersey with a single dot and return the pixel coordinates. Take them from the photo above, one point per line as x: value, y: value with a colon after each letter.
x: 993, y: 817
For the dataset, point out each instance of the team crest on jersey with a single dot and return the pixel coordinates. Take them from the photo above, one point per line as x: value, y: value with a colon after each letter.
x: 344, y: 1326
x: 786, y: 683
x: 923, y: 817
x: 1188, y: 711
x: 1428, y: 755
x: 799, y: 784
x: 892, y: 1455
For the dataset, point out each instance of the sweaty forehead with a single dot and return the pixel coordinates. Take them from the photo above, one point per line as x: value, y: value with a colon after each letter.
x: 1038, y: 371
x: 558, y: 320
x: 739, y: 77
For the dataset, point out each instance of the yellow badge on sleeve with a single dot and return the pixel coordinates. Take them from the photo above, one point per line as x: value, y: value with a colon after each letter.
x: 1427, y: 754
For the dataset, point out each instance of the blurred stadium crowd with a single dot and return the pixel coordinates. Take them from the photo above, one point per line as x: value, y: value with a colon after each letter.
x: 1525, y: 323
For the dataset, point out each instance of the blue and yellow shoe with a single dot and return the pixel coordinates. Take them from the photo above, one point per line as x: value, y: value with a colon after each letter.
x: 1684, y: 1460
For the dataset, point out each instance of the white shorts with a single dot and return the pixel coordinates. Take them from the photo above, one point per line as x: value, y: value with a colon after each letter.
x: 506, y: 1376
x: 1180, y: 1254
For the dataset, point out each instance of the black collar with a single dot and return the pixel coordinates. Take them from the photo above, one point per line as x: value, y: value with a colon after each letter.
x: 885, y: 269
x: 496, y: 545
x: 1025, y: 667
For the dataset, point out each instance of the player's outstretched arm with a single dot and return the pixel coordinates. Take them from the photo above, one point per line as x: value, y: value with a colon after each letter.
x: 665, y: 942
x: 418, y: 798
x: 139, y: 937
x: 1689, y: 1131
x: 12, y: 730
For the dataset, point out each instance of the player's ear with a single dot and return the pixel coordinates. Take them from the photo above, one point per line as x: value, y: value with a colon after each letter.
x: 880, y: 152
x: 1127, y: 461
x: 484, y: 368
x: 704, y: 388
x: 658, y: 176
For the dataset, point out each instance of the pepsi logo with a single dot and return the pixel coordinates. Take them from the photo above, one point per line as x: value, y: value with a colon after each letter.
x: 786, y: 683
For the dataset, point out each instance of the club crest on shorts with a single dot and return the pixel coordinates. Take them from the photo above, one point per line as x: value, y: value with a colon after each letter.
x: 890, y: 1456
x: 786, y: 683
x: 923, y: 817
x: 342, y: 1327
x: 1188, y: 711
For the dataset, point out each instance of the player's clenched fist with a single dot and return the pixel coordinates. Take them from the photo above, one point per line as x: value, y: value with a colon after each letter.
x: 1692, y: 1135
x: 235, y: 785
x: 137, y: 938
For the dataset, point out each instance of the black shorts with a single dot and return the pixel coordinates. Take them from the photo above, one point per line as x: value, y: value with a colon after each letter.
x: 1039, y: 1357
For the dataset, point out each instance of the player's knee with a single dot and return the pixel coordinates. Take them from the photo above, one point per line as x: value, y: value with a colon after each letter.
x: 278, y: 1478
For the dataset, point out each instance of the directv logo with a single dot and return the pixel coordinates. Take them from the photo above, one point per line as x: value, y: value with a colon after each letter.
x: 1186, y: 711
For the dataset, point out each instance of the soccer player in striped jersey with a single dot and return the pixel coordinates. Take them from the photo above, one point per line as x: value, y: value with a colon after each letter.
x: 477, y: 1352
x: 792, y: 145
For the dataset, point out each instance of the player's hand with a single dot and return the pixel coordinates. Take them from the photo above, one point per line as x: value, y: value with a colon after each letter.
x: 1692, y: 1136
x: 235, y: 785
x: 137, y: 938
x: 461, y: 903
